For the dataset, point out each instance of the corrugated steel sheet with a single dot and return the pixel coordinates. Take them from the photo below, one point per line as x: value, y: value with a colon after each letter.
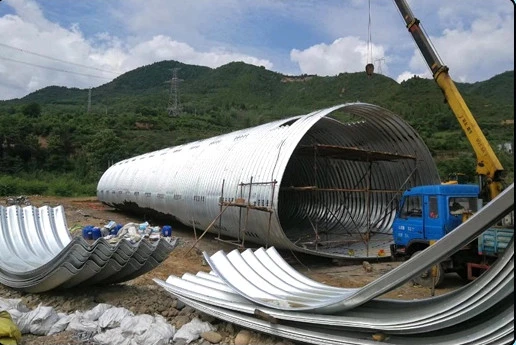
x: 39, y: 254
x: 259, y: 290
x: 308, y: 183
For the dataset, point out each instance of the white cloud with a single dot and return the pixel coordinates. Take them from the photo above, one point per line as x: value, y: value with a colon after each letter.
x: 164, y: 48
x: 348, y: 54
x: 19, y: 74
x: 474, y: 38
x: 472, y: 52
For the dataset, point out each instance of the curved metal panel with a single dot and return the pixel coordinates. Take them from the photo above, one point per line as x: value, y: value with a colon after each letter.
x: 309, y: 183
x: 241, y: 272
x: 256, y: 290
x: 38, y: 254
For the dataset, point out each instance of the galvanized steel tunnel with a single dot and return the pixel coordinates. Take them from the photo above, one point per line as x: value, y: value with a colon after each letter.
x: 309, y: 183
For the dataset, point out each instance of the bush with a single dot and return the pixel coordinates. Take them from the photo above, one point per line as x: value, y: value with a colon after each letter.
x: 64, y: 185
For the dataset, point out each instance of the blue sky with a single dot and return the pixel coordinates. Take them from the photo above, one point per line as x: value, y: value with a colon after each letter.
x: 87, y: 43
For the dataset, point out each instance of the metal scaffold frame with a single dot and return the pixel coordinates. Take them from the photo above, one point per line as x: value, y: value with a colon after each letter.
x: 350, y: 154
x: 243, y: 203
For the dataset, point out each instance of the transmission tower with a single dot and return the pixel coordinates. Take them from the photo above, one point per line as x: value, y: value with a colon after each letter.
x: 380, y: 61
x: 89, y: 100
x: 174, y: 106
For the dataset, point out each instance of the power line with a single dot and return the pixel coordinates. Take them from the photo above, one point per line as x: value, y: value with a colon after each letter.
x: 55, y: 59
x: 53, y: 68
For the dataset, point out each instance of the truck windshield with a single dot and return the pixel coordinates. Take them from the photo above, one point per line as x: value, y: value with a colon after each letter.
x: 460, y: 205
x: 412, y: 207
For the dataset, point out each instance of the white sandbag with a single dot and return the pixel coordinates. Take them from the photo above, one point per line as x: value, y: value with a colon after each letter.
x: 159, y: 333
x: 61, y: 324
x: 192, y: 330
x: 136, y: 325
x: 113, y: 337
x: 112, y: 317
x: 37, y: 321
x: 97, y: 311
x: 15, y: 315
x: 79, y: 324
x: 12, y: 304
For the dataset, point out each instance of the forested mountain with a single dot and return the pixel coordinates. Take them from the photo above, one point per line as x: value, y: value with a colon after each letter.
x: 50, y: 132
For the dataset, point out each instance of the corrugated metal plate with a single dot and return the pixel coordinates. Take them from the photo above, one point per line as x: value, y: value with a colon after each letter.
x: 349, y: 202
x: 262, y: 292
x: 393, y: 316
x: 241, y: 272
x: 493, y: 327
x: 38, y: 254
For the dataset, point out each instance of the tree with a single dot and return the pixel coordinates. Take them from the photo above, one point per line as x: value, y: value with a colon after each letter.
x: 32, y: 110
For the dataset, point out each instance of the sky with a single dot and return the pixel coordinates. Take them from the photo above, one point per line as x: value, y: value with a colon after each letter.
x: 88, y: 43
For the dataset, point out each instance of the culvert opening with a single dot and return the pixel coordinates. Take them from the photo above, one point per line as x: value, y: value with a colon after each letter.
x: 341, y: 186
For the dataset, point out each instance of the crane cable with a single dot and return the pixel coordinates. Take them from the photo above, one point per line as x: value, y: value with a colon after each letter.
x: 369, y: 38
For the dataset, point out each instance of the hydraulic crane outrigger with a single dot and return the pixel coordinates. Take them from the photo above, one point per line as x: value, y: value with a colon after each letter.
x: 489, y: 168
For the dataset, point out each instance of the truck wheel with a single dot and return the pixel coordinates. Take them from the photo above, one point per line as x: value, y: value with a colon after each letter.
x: 425, y: 278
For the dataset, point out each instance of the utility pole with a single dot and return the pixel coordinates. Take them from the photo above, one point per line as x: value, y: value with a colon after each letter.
x: 379, y: 61
x: 89, y: 100
x: 174, y: 106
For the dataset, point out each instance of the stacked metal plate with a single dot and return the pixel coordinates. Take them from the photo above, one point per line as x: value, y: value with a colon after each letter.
x: 37, y: 253
x: 259, y: 290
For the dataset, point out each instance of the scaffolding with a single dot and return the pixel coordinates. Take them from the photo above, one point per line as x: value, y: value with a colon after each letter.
x: 351, y: 154
x: 245, y: 207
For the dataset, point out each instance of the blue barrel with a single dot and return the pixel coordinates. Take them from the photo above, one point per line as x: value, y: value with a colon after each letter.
x: 96, y: 233
x: 115, y: 229
x: 87, y: 233
x: 166, y: 231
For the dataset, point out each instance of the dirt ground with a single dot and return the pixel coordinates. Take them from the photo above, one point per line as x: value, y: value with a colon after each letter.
x: 142, y: 295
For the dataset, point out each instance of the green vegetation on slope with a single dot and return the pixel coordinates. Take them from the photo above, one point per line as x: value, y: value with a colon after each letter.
x: 48, y: 137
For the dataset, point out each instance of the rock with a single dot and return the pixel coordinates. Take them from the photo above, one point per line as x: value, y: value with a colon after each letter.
x: 207, y: 318
x: 160, y: 307
x: 230, y: 328
x: 212, y: 336
x: 173, y: 312
x: 181, y: 320
x: 179, y: 305
x: 187, y: 311
x: 180, y: 341
x: 243, y: 337
x: 379, y: 337
x: 66, y: 307
x: 367, y: 266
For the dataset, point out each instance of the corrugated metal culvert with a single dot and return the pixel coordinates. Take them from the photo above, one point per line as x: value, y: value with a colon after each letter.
x: 309, y: 183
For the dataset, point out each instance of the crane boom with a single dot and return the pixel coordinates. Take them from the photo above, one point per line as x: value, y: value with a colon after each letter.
x: 489, y: 168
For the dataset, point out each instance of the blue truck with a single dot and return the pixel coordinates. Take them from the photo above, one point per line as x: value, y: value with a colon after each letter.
x: 428, y: 213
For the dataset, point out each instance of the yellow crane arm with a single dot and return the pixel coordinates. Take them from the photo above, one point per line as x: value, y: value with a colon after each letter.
x: 489, y: 168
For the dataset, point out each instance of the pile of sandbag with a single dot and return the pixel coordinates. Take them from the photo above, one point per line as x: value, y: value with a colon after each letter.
x: 107, y: 324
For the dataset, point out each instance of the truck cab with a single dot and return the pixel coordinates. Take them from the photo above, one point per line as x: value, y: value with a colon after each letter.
x: 428, y: 213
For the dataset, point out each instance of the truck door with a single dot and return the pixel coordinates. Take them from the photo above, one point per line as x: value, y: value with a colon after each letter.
x: 409, y: 225
x: 432, y: 218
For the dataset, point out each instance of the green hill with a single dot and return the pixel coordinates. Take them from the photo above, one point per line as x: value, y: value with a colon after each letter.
x: 50, y: 132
